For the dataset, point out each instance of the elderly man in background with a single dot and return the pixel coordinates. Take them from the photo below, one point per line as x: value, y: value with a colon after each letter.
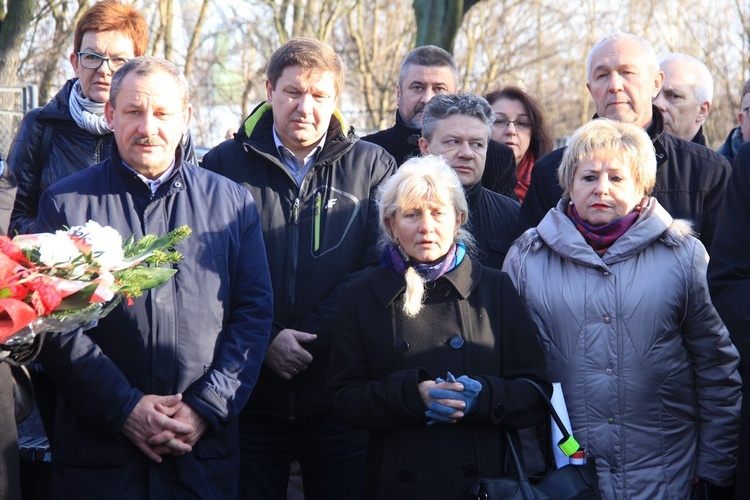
x: 685, y: 98
x: 623, y: 79
x: 458, y: 127
x: 428, y: 71
x: 741, y: 134
x: 150, y: 397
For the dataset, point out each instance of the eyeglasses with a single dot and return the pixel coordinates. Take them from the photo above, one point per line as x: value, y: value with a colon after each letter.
x: 89, y: 60
x: 519, y: 124
x: 744, y: 110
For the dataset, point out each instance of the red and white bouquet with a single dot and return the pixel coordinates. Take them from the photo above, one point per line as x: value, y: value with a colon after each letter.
x: 57, y: 282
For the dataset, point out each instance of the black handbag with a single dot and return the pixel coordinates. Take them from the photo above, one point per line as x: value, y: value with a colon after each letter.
x: 565, y: 483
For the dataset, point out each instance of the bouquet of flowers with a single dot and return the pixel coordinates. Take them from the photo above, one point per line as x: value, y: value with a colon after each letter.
x: 69, y: 279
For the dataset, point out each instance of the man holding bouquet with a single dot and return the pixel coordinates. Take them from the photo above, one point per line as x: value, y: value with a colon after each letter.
x: 150, y: 396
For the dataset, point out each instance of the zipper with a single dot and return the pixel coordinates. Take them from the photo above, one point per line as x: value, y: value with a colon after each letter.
x: 316, y: 228
x: 295, y: 211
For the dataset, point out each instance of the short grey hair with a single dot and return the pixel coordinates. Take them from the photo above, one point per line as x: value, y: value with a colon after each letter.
x: 145, y: 66
x: 626, y: 142
x: 431, y: 56
x: 652, y: 63
x: 442, y: 106
x: 704, y: 87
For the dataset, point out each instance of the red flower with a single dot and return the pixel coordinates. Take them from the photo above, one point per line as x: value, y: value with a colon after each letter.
x: 45, y: 297
x: 13, y: 251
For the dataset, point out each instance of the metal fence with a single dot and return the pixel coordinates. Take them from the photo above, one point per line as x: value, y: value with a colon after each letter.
x: 14, y: 102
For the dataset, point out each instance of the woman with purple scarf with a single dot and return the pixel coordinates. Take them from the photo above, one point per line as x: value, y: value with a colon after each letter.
x: 618, y: 290
x: 428, y: 346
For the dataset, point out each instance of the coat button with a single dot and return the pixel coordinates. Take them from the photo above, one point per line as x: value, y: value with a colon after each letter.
x: 402, y: 346
x: 607, y: 319
x: 405, y: 476
x: 609, y: 371
x: 470, y: 469
x: 456, y: 342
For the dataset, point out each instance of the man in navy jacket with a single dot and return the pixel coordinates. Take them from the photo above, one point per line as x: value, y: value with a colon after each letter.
x: 151, y: 396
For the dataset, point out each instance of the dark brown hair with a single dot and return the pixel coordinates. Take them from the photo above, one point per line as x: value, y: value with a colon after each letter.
x: 111, y: 15
x: 541, y: 139
x: 310, y: 55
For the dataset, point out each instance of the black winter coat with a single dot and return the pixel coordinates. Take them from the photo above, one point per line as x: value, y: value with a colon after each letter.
x: 71, y: 149
x: 690, y: 182
x: 729, y: 282
x: 472, y: 323
x: 493, y: 221
x: 402, y: 142
x: 307, y: 277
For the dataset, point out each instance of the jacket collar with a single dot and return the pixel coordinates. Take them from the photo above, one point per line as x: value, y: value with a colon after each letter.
x: 474, y: 196
x: 388, y: 286
x: 57, y: 108
x: 257, y: 132
x: 559, y: 233
x: 410, y: 134
x: 175, y: 181
x: 699, y: 137
x: 656, y: 132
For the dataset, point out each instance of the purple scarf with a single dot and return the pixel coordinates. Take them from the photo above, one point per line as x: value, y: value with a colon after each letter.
x: 600, y: 238
x: 392, y: 259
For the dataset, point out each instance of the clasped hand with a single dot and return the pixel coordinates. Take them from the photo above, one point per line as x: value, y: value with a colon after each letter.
x: 164, y: 425
x: 451, y: 399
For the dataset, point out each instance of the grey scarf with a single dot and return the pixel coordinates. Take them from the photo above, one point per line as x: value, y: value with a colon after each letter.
x: 88, y: 114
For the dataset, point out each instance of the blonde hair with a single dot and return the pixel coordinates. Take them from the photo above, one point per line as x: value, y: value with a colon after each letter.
x: 625, y: 142
x: 418, y: 180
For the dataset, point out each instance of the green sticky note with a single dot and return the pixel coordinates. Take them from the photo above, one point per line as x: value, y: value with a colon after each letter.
x: 568, y: 446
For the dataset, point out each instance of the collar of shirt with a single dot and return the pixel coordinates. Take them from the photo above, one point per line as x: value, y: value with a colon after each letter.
x: 297, y: 169
x: 153, y: 184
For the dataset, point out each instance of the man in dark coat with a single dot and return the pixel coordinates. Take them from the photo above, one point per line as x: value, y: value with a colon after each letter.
x: 685, y: 98
x: 458, y: 127
x: 729, y: 282
x: 315, y: 183
x: 150, y: 397
x: 738, y: 135
x: 428, y: 71
x: 623, y: 78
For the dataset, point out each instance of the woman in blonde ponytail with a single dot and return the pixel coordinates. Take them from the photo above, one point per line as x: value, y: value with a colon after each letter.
x: 427, y: 346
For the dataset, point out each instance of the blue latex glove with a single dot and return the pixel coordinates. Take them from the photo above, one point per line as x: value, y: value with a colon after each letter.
x: 440, y: 413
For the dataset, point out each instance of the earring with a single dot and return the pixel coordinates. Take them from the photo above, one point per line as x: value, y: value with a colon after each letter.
x: 570, y: 203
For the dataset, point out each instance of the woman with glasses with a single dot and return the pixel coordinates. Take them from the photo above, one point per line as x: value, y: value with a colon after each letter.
x: 70, y: 132
x: 520, y: 125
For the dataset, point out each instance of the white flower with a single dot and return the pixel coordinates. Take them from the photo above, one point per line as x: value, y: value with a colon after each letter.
x: 106, y: 244
x: 56, y: 249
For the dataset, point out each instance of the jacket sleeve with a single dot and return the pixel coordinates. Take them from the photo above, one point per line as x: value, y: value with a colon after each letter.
x: 715, y: 198
x: 221, y: 393
x: 717, y: 381
x: 94, y: 386
x: 22, y: 160
x: 354, y: 396
x: 729, y: 268
x: 502, y: 399
x: 321, y: 319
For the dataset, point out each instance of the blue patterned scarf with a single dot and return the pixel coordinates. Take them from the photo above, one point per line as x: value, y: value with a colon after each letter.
x: 393, y: 259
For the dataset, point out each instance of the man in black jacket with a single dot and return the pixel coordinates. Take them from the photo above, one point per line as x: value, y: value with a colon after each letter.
x: 458, y: 127
x: 623, y: 78
x: 685, y: 98
x: 729, y: 282
x: 428, y: 71
x: 314, y: 183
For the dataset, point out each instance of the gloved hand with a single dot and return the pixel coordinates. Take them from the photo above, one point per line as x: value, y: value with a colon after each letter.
x: 440, y: 413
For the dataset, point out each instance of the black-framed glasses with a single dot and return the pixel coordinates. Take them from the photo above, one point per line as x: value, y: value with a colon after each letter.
x: 519, y: 124
x: 90, y: 60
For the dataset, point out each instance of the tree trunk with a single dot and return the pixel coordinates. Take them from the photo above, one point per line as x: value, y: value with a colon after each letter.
x: 12, y: 28
x: 438, y: 21
x: 195, y: 40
